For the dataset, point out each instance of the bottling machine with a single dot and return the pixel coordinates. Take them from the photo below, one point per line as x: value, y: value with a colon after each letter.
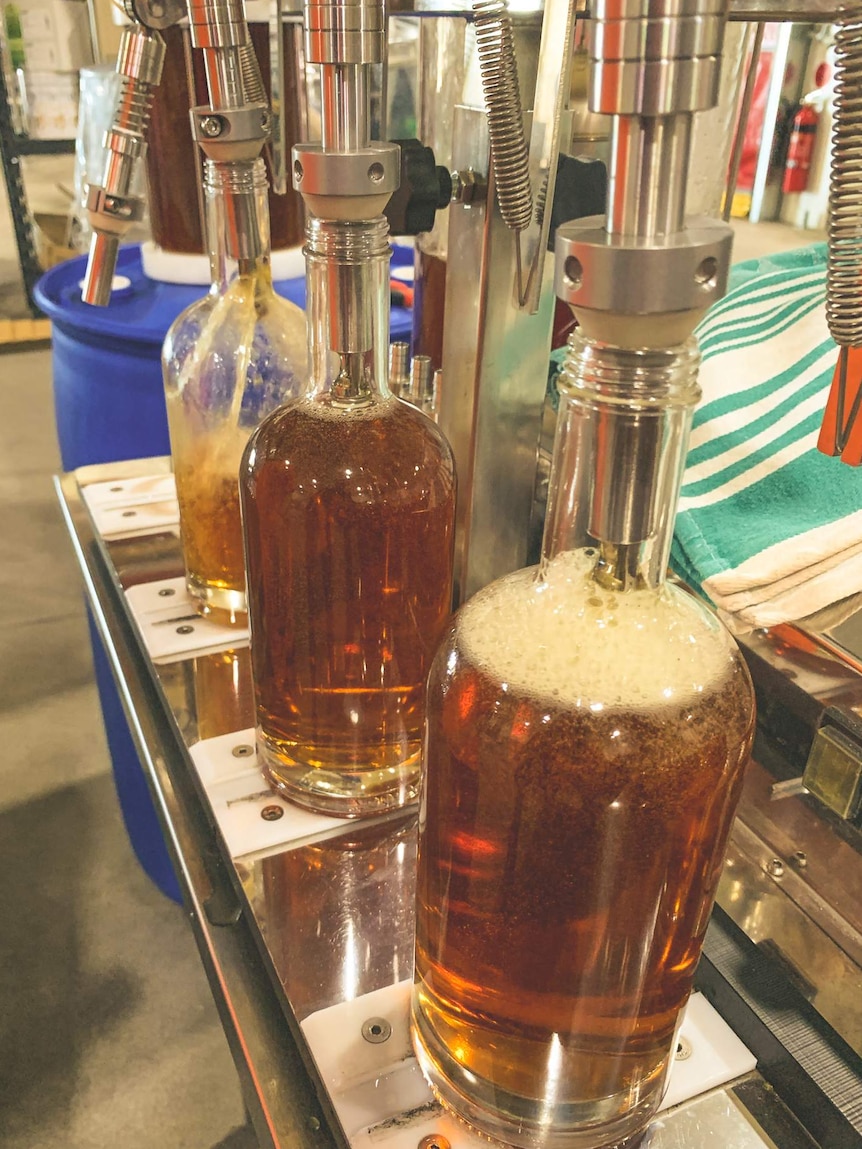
x: 782, y: 962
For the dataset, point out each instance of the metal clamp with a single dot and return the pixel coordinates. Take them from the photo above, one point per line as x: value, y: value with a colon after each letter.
x: 346, y: 185
x: 231, y: 134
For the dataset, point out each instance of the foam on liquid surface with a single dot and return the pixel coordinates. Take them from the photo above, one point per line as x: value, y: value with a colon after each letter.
x: 573, y: 643
x: 339, y: 412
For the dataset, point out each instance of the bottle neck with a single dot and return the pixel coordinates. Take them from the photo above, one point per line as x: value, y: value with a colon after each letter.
x: 347, y: 284
x: 237, y: 221
x: 619, y: 453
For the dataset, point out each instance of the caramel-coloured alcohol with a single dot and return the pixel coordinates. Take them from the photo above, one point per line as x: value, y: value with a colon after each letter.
x: 348, y: 520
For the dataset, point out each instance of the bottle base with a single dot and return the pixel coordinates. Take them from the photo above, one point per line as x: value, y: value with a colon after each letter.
x: 604, y: 1123
x: 219, y: 603
x: 339, y: 792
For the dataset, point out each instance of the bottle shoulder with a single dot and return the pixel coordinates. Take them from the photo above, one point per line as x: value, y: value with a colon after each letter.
x: 557, y: 633
x: 225, y: 340
x: 386, y: 445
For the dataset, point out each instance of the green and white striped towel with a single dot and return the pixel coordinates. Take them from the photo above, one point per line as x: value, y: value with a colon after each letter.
x: 769, y: 528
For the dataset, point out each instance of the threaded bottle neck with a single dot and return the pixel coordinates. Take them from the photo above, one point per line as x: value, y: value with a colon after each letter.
x: 347, y: 275
x: 622, y: 435
x: 237, y: 214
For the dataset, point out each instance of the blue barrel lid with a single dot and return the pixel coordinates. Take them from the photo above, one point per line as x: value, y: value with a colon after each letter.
x: 143, y: 311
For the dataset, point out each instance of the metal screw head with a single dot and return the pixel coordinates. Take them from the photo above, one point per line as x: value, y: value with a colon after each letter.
x: 115, y: 488
x: 298, y: 173
x: 683, y: 1049
x: 376, y: 1030
x: 265, y: 121
x: 376, y: 173
x: 166, y: 592
x: 775, y: 868
x: 185, y: 629
x: 129, y: 514
x: 271, y: 813
x: 243, y: 750
x: 211, y: 126
x: 799, y: 859
x: 434, y: 1141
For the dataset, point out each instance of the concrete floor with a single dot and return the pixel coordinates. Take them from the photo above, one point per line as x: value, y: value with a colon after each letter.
x: 108, y: 1033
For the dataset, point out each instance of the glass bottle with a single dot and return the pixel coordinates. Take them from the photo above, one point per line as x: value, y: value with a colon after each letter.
x: 588, y: 728
x: 348, y: 500
x: 229, y: 359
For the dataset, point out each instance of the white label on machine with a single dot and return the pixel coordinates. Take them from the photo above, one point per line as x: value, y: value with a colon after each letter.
x: 252, y: 818
x: 171, y: 627
x: 125, y: 508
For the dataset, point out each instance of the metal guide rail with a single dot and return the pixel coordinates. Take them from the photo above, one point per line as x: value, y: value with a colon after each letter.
x: 305, y: 924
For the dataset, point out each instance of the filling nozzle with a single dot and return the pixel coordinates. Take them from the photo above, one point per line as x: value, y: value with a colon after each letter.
x: 346, y: 176
x: 111, y: 207
x: 236, y: 123
x: 640, y: 279
x: 232, y: 129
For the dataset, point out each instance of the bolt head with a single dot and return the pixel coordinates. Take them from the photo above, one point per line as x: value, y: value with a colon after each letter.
x: 775, y: 868
x: 211, y: 126
x: 272, y: 813
x: 434, y: 1141
x: 376, y: 1030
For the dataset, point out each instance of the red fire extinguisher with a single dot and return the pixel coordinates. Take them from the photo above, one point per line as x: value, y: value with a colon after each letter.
x: 800, y: 150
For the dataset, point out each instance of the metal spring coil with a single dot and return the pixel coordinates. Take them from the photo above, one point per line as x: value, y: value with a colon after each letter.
x: 252, y: 81
x: 844, y: 265
x: 496, y: 49
x: 133, y: 107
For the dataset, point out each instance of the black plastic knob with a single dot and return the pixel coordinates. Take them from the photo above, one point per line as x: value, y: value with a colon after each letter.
x: 425, y: 187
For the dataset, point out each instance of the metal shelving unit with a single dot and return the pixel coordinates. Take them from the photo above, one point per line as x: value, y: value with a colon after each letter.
x: 13, y: 146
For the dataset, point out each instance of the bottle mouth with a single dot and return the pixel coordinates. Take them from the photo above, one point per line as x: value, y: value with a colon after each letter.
x: 237, y: 177
x: 348, y: 241
x: 638, y: 379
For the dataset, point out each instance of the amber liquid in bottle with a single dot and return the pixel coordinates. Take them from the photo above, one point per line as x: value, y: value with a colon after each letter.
x: 586, y: 742
x: 352, y: 605
x: 566, y: 864
x: 348, y: 515
x: 212, y: 542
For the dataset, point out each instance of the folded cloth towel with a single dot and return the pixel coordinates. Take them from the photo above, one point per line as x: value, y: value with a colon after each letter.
x: 768, y: 528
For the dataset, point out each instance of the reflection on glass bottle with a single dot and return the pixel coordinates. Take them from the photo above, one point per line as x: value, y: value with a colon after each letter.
x: 223, y: 692
x: 588, y: 727
x: 348, y: 510
x: 339, y: 914
x: 230, y: 359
